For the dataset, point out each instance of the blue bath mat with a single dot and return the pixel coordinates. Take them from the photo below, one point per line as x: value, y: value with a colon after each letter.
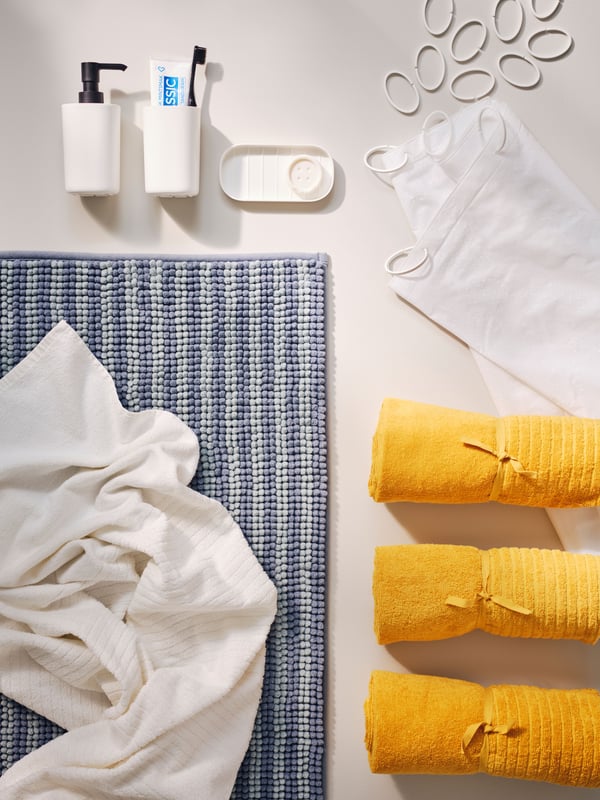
x: 236, y: 348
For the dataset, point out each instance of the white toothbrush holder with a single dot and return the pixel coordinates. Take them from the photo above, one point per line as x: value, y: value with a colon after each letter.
x: 172, y: 150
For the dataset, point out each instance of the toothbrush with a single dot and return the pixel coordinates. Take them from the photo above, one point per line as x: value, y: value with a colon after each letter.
x: 198, y: 58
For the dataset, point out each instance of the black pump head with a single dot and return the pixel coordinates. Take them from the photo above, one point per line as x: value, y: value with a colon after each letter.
x: 90, y: 75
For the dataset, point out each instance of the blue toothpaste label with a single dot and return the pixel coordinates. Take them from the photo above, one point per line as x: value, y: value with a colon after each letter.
x: 171, y: 90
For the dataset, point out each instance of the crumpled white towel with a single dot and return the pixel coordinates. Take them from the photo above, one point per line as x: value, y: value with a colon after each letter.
x: 132, y: 610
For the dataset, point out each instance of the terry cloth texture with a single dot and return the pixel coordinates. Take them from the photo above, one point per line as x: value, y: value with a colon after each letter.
x: 235, y: 348
x: 133, y: 612
x: 421, y: 724
x: 424, y: 592
x: 431, y: 454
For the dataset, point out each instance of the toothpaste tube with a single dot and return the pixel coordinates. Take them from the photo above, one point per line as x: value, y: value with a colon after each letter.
x: 169, y: 82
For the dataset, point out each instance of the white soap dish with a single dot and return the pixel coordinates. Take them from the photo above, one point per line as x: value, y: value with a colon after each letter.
x: 276, y: 173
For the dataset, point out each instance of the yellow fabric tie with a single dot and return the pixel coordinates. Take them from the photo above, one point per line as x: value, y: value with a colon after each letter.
x: 485, y: 594
x: 487, y: 728
x: 503, y: 458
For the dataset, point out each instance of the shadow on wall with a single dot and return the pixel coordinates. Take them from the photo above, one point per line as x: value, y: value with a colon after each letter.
x: 130, y: 215
x: 487, y: 659
x: 135, y: 216
x: 476, y: 787
x: 31, y: 160
x: 479, y: 524
x: 214, y: 218
x: 208, y: 217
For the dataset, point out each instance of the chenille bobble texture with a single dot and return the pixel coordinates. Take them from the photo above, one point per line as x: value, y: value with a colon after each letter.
x: 428, y: 453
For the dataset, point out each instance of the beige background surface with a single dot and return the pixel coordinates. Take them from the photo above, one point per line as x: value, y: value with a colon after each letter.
x: 311, y: 72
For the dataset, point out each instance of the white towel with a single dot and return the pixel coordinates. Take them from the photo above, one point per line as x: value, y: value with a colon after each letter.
x: 132, y: 610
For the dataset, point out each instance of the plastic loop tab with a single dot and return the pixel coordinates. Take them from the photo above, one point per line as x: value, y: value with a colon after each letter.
x: 478, y: 46
x: 468, y: 73
x: 406, y: 110
x: 383, y: 148
x: 549, y: 33
x: 536, y: 74
x: 431, y: 120
x: 517, y: 24
x: 450, y: 17
x: 442, y: 67
x: 552, y: 7
x: 404, y: 254
x: 494, y: 113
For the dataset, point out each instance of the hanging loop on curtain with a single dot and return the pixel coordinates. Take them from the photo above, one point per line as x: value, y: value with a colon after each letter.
x: 403, y: 254
x: 430, y: 121
x: 502, y: 125
x: 377, y: 150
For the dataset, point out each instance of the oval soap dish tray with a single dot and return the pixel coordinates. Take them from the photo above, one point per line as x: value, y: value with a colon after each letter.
x: 276, y: 173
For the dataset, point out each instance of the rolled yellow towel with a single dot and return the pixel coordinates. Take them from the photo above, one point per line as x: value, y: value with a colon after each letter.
x: 420, y: 724
x: 424, y: 592
x: 430, y: 454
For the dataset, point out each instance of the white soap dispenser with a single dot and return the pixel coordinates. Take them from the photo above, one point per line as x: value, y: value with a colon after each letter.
x: 92, y: 137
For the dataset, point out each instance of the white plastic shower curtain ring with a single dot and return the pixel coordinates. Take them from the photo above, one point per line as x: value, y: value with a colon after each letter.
x: 383, y: 148
x: 439, y: 31
x: 472, y: 99
x: 495, y: 113
x: 545, y: 32
x: 430, y: 121
x: 397, y: 74
x: 511, y: 35
x: 537, y: 75
x: 550, y: 11
x: 478, y: 47
x: 404, y: 253
x: 442, y: 61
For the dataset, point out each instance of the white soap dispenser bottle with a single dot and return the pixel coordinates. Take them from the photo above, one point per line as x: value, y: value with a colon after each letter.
x: 92, y: 137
